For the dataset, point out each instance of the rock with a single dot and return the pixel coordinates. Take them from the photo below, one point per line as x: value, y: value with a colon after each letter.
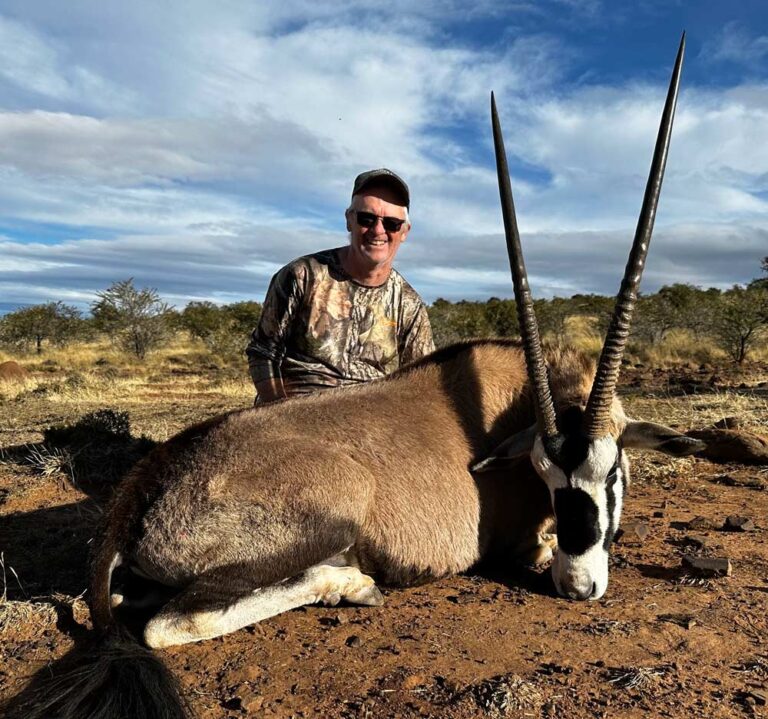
x: 11, y: 371
x: 633, y: 533
x: 412, y: 681
x: 251, y: 703
x: 658, y: 514
x: 695, y: 541
x: 728, y: 445
x: 234, y: 703
x: 729, y: 423
x: 701, y: 523
x: 251, y: 673
x: 731, y: 480
x: 735, y: 523
x: 708, y: 566
x: 760, y: 698
x: 682, y: 620
x: 354, y: 641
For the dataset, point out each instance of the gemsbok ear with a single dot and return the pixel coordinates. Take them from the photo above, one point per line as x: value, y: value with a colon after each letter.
x: 649, y: 435
x: 518, y: 445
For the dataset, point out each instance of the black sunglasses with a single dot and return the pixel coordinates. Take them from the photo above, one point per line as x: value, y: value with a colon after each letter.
x: 368, y: 219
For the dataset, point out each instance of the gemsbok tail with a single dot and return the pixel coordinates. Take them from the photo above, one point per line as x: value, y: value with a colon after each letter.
x: 111, y: 676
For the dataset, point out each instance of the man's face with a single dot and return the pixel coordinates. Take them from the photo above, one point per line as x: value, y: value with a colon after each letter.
x: 374, y: 246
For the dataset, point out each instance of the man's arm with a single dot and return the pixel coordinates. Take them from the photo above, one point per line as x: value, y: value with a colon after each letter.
x: 270, y: 390
x: 417, y: 340
x: 268, y: 341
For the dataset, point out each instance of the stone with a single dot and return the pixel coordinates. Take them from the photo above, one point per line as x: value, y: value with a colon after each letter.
x: 251, y: 703
x: 695, y: 541
x: 412, y: 681
x: 248, y: 673
x: 735, y: 523
x: 633, y: 533
x: 701, y: 523
x: 731, y: 480
x: 354, y: 641
x: 729, y: 423
x: 708, y: 566
x: 11, y: 371
x: 730, y: 445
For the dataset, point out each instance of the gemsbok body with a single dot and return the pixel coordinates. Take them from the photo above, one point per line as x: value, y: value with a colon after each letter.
x: 407, y: 479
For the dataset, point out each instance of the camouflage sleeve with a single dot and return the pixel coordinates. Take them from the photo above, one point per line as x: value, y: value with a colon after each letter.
x: 268, y: 341
x: 417, y: 340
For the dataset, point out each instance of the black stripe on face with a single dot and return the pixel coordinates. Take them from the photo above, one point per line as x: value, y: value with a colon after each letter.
x: 568, y: 449
x: 610, y: 496
x: 578, y: 524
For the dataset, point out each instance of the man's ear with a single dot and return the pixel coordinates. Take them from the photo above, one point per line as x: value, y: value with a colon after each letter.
x: 347, y: 215
x: 518, y: 445
x: 649, y: 435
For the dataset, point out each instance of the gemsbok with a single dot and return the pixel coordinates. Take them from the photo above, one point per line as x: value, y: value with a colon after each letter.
x: 481, y: 448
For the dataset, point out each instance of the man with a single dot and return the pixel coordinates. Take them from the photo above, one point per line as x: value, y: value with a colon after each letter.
x: 343, y: 316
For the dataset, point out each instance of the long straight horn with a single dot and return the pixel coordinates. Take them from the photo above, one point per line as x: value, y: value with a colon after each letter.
x: 529, y: 330
x: 598, y: 410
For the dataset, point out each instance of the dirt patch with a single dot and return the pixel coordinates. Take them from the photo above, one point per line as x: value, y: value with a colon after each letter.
x: 663, y: 641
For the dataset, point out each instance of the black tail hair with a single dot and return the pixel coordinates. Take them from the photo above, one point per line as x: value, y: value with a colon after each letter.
x: 111, y: 677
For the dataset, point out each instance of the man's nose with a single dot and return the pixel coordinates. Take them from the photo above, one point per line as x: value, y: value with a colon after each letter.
x: 377, y: 226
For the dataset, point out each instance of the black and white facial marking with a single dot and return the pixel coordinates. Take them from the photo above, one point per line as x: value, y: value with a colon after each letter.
x: 586, y: 480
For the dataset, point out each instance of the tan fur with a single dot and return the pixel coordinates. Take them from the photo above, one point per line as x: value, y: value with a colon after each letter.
x: 382, y: 468
x: 11, y: 371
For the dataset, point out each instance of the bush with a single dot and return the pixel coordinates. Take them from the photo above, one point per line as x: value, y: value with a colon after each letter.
x: 54, y: 322
x: 137, y: 319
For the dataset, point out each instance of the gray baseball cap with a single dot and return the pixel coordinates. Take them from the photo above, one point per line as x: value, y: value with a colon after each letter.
x: 382, y: 176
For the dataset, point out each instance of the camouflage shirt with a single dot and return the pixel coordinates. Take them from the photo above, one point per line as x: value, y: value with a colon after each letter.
x: 321, y: 329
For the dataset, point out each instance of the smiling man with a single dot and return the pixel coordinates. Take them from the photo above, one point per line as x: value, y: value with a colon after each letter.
x: 343, y: 316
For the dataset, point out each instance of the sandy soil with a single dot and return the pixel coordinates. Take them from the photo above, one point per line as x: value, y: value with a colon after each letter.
x: 662, y: 642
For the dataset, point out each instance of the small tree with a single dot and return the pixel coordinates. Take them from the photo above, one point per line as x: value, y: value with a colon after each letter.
x: 200, y: 319
x: 551, y: 316
x: 53, y: 322
x: 501, y: 315
x: 739, y: 319
x: 224, y: 330
x: 239, y: 319
x: 761, y: 282
x: 596, y: 307
x: 135, y: 318
x: 453, y: 322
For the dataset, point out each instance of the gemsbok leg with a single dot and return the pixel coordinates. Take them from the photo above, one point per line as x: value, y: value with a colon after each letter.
x: 215, y: 604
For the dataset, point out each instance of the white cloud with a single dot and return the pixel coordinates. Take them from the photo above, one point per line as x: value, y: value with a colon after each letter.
x: 37, y: 65
x: 737, y: 45
x: 213, y: 142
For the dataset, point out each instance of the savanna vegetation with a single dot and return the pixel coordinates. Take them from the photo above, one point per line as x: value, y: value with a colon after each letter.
x: 679, y: 323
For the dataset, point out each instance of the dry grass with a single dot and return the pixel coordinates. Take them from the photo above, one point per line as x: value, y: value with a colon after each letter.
x: 181, y: 350
x: 506, y: 696
x: 703, y: 410
x: 638, y: 678
x: 97, y: 373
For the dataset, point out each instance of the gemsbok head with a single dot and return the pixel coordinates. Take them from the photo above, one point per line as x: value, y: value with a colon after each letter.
x: 579, y: 451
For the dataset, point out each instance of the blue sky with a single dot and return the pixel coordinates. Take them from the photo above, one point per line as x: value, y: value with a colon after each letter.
x: 199, y: 146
